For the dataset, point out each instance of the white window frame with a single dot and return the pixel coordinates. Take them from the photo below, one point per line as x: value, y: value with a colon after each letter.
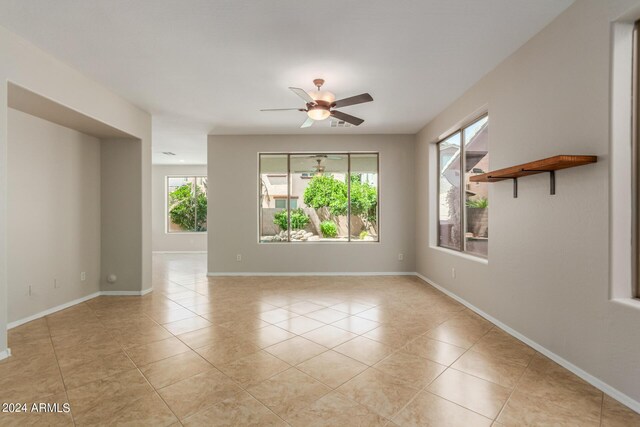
x: 463, y: 214
x: 166, y: 205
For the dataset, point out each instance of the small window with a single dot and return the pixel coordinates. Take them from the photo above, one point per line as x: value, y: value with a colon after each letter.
x: 186, y: 204
x: 281, y: 203
x: 463, y: 206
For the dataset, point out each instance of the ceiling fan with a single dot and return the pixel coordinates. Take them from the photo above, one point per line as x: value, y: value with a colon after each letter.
x: 319, y: 167
x: 321, y: 105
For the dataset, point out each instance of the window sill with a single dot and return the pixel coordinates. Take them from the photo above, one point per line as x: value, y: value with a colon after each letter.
x: 633, y: 303
x: 319, y: 242
x: 184, y: 232
x: 463, y: 255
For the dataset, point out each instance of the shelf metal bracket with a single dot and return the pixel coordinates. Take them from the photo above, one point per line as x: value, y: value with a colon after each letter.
x: 552, y: 179
x: 515, y: 186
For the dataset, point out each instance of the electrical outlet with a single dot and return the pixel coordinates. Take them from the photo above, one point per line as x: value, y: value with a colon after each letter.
x: 83, y: 276
x: 239, y: 257
x: 55, y: 283
x: 401, y: 257
x: 453, y: 272
x: 29, y: 290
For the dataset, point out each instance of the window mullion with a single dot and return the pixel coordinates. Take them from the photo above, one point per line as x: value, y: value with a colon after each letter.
x: 348, y: 197
x: 288, y: 196
x: 463, y: 193
x: 194, y: 202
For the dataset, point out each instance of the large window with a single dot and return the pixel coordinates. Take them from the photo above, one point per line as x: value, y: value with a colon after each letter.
x: 186, y: 204
x: 318, y: 197
x: 463, y: 206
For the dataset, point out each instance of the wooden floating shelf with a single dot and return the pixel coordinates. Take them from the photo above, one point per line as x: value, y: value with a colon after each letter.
x: 549, y: 165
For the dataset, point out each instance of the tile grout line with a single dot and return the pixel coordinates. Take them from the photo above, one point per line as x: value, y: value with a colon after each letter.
x: 242, y: 387
x: 158, y: 394
x: 55, y: 354
x: 138, y: 368
x: 124, y: 350
x: 424, y: 388
x: 602, y: 410
x: 515, y: 387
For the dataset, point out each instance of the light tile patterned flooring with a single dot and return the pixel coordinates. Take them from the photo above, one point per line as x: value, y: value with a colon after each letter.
x: 301, y: 351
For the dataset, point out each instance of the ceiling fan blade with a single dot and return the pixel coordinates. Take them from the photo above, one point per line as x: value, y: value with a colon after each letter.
x: 283, y: 109
x: 358, y: 99
x: 307, y: 123
x: 347, y: 118
x: 303, y: 94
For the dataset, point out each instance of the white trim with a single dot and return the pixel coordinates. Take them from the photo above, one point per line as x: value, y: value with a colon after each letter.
x: 57, y: 308
x: 620, y: 163
x: 463, y: 255
x: 179, y: 252
x: 51, y: 310
x: 170, y: 233
x: 597, y: 383
x: 314, y: 273
x: 125, y: 293
x: 5, y: 353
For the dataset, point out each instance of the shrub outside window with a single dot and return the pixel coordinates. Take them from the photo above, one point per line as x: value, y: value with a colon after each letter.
x: 186, y: 204
x: 333, y: 197
x: 463, y: 219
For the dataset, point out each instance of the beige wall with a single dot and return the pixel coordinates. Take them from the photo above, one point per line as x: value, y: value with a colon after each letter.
x: 233, y: 177
x: 27, y: 66
x: 173, y: 242
x: 548, y: 270
x: 121, y: 247
x: 54, y: 212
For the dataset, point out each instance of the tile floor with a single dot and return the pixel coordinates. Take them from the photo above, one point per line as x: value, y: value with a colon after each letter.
x: 300, y: 351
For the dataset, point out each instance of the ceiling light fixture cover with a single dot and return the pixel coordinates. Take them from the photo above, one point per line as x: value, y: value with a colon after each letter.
x: 318, y: 112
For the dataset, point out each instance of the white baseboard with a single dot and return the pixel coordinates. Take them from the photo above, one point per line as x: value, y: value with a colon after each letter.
x: 316, y: 273
x: 126, y: 293
x: 60, y: 307
x: 51, y: 310
x: 5, y: 353
x: 179, y: 252
x: 597, y: 383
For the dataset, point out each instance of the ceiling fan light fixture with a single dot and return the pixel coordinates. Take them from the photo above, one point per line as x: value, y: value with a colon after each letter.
x: 318, y: 113
x: 322, y: 104
x: 323, y: 95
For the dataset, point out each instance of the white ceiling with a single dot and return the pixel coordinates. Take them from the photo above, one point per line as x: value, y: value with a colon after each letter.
x: 209, y: 66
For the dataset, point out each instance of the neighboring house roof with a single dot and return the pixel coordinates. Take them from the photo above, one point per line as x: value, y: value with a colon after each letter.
x: 475, y: 150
